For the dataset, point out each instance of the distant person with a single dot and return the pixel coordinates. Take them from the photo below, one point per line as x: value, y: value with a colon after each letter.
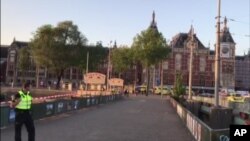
x: 22, y: 104
x: 126, y: 92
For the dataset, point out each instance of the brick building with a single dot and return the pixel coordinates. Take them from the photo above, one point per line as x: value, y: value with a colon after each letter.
x: 13, y: 73
x: 242, y: 72
x: 203, y: 61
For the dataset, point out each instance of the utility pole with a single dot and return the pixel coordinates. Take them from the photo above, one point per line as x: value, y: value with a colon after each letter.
x: 191, y: 65
x: 87, y: 66
x: 161, y: 79
x: 217, y: 59
x: 107, y: 86
x: 87, y: 70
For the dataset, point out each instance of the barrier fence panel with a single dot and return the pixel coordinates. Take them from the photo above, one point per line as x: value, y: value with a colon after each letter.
x: 97, y: 100
x: 93, y: 100
x: 4, y: 116
x: 53, y: 107
x: 82, y: 102
x: 50, y: 108
x: 88, y: 101
x: 60, y: 106
x: 38, y: 110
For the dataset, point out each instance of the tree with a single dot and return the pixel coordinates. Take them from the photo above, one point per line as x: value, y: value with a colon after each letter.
x: 150, y: 48
x: 24, y: 60
x: 179, y: 88
x: 122, y: 59
x: 97, y: 56
x: 56, y: 48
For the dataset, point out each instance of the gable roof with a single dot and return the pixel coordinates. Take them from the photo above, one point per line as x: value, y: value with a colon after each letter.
x: 20, y: 44
x: 225, y: 36
x: 180, y: 39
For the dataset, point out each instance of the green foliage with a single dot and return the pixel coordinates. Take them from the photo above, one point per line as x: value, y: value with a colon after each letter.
x: 24, y: 59
x: 179, y: 89
x: 150, y: 48
x: 122, y: 59
x: 97, y: 56
x: 57, y: 48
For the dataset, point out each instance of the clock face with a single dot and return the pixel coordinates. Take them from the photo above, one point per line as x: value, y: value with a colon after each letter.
x: 225, y: 50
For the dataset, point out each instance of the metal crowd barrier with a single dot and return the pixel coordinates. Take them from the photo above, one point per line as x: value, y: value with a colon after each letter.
x: 56, y: 106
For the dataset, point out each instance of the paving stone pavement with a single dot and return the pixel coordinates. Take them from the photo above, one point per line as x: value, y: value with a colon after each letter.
x: 137, y: 118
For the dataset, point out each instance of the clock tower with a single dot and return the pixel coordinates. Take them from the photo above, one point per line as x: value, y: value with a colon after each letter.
x: 227, y: 57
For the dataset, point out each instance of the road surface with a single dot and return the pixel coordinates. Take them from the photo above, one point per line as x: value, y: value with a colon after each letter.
x: 137, y: 118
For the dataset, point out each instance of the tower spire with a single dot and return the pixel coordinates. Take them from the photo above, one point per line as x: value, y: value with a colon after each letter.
x: 153, y: 22
x: 191, y: 32
x: 225, y: 22
x: 153, y: 17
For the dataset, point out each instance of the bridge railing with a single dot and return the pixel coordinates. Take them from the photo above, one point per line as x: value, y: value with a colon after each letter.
x: 199, y: 130
x: 241, y: 110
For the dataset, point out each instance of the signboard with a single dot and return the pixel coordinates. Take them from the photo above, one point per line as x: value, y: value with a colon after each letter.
x: 225, y: 51
x: 94, y: 78
x: 116, y: 82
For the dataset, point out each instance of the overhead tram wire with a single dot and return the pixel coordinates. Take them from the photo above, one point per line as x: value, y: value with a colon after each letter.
x: 241, y: 35
x: 245, y: 23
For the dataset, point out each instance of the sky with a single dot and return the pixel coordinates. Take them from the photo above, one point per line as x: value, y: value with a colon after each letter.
x: 122, y: 20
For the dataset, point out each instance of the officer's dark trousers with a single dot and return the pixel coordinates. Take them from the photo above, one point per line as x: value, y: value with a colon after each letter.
x: 24, y: 117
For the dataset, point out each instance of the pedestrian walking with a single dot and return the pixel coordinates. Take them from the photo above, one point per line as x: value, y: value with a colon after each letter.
x: 22, y: 104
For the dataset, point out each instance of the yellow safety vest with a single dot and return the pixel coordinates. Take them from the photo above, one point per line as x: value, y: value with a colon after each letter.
x: 25, y: 102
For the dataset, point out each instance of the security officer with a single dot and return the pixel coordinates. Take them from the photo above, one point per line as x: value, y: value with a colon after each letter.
x: 22, y: 103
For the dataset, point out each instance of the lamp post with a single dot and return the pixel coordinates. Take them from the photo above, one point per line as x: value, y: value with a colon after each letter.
x: 107, y: 86
x: 161, y: 79
x: 191, y: 65
x: 217, y: 59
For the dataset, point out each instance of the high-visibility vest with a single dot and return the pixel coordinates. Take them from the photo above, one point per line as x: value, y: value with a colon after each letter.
x: 25, y: 102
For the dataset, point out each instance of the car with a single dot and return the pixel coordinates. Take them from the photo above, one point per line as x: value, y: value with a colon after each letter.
x: 165, y: 90
x: 243, y: 93
x: 235, y: 98
x: 141, y: 89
